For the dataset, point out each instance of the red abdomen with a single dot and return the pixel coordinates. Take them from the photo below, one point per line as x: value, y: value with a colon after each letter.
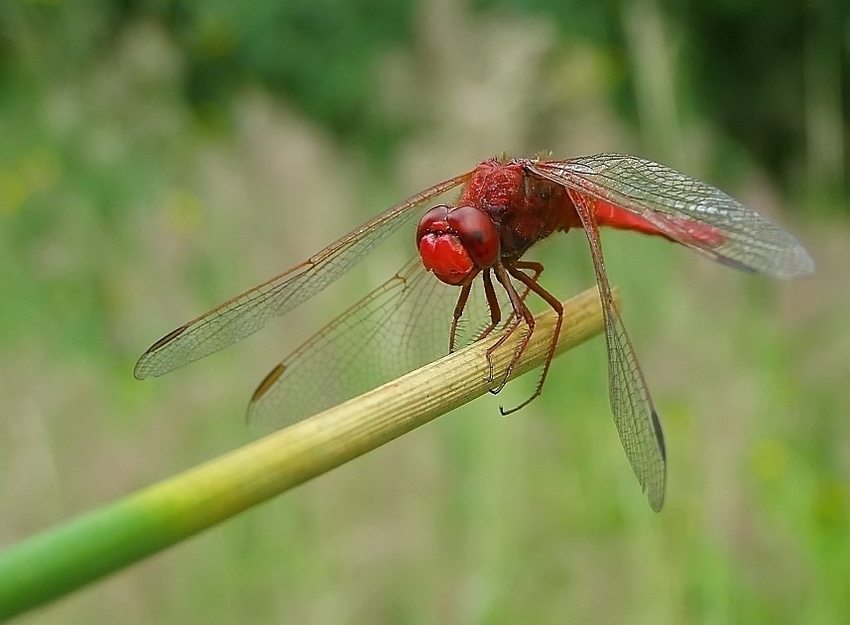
x: 687, y: 230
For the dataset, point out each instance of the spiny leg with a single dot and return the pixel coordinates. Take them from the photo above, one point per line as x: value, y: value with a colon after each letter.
x: 461, y: 304
x: 531, y: 285
x: 492, y: 304
x: 536, y: 269
x: 521, y: 313
x: 495, y: 318
x: 530, y: 265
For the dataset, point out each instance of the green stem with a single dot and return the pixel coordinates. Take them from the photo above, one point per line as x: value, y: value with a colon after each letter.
x: 53, y: 563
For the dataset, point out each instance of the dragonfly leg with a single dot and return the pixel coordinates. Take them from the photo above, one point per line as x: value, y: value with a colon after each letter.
x: 531, y: 284
x: 493, y: 305
x: 461, y: 304
x: 520, y: 313
x: 495, y: 317
x: 536, y: 269
x: 529, y: 265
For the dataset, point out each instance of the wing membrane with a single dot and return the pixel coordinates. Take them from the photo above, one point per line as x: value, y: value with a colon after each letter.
x: 401, y: 325
x: 677, y: 204
x: 634, y: 413
x: 248, y: 312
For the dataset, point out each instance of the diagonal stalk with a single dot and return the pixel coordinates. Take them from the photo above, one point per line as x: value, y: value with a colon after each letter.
x: 58, y: 561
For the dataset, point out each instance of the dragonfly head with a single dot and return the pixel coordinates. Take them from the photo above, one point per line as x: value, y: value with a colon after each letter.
x: 456, y: 243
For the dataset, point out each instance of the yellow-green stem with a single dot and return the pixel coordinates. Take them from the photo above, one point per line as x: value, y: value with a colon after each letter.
x: 51, y: 564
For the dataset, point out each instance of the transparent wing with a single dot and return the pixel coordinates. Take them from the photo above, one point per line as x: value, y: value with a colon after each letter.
x: 634, y: 413
x: 680, y: 207
x: 246, y: 313
x: 403, y: 324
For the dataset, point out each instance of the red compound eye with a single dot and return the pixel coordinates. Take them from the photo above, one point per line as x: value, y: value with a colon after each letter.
x: 455, y: 243
x: 445, y: 256
x: 478, y: 234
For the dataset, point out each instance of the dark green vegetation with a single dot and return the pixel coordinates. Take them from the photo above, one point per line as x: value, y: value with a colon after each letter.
x: 157, y: 157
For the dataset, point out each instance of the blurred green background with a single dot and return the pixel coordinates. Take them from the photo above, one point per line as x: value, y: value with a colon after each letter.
x: 158, y: 157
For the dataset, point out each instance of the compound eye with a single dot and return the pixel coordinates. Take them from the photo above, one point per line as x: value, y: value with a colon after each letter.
x: 478, y: 234
x: 444, y: 254
x: 435, y: 221
x: 440, y: 248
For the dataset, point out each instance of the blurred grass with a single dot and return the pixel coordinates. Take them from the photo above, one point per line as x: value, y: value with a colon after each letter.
x: 123, y: 213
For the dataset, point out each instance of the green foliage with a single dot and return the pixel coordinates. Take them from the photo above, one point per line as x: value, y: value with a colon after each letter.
x: 320, y: 54
x: 757, y: 70
x: 761, y: 72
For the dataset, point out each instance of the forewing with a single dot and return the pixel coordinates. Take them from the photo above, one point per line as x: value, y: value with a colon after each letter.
x: 679, y: 205
x: 401, y: 325
x: 246, y: 313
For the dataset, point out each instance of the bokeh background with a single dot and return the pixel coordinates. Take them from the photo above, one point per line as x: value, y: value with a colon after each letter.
x: 157, y: 157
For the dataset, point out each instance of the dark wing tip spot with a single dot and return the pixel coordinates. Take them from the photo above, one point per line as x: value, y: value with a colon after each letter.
x: 166, y: 339
x: 656, y: 497
x: 659, y: 435
x: 267, y: 382
x: 142, y: 370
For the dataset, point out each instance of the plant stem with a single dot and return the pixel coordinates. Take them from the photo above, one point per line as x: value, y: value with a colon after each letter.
x: 55, y: 562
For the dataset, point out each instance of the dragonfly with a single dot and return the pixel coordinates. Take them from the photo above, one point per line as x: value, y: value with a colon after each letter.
x: 470, y: 278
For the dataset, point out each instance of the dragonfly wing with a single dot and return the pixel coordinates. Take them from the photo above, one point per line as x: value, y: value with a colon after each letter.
x: 248, y: 312
x: 401, y: 325
x: 681, y: 207
x: 634, y: 413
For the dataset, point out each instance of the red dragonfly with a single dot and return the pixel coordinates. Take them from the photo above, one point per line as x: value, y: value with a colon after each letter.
x: 505, y: 207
